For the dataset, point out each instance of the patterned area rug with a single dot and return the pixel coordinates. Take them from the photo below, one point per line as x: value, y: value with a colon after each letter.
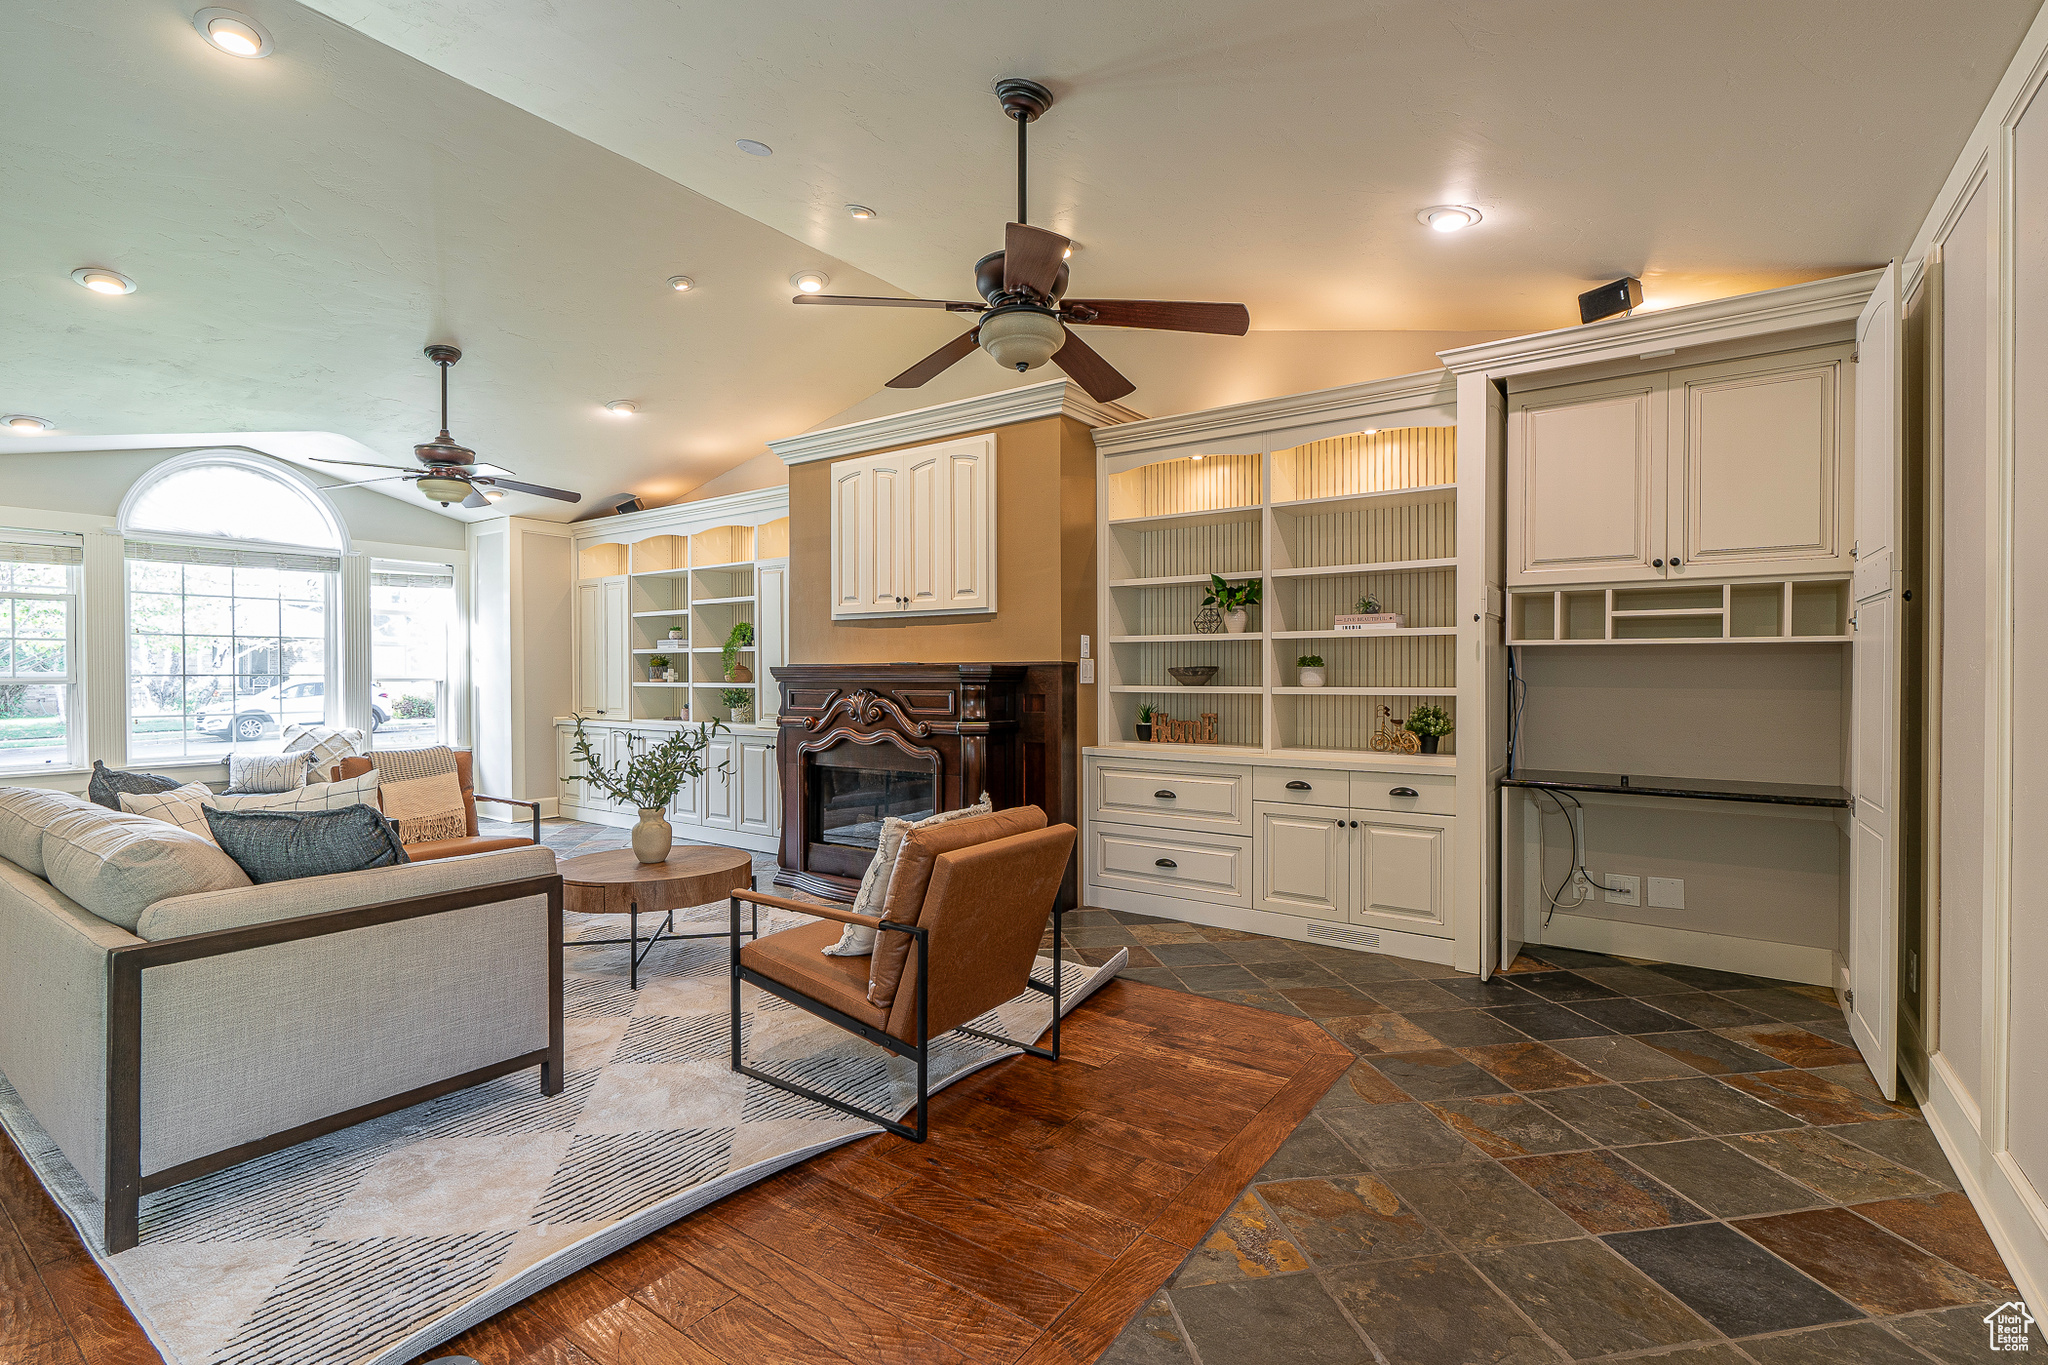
x: 371, y: 1245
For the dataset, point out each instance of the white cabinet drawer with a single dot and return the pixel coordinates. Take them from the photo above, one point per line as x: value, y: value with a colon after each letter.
x: 1185, y: 797
x: 1171, y: 862
x: 1426, y: 793
x: 1304, y: 786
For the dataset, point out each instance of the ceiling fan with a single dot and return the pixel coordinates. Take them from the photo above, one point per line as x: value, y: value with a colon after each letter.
x: 1025, y: 314
x: 450, y: 474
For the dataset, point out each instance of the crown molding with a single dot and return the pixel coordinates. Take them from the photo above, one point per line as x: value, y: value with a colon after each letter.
x: 1054, y: 398
x: 1817, y: 303
x: 751, y: 502
x: 1397, y: 394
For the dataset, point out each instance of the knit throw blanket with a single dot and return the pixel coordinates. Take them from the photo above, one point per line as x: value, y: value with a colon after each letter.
x: 421, y: 793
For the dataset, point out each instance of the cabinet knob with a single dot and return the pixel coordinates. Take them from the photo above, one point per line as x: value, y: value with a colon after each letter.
x: 1164, y: 862
x: 1403, y: 791
x: 1299, y: 787
x: 1165, y: 794
x: 1676, y: 561
x: 1354, y: 824
x: 1656, y: 563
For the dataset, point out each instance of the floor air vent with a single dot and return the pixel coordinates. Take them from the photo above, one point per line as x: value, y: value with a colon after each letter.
x: 1345, y: 934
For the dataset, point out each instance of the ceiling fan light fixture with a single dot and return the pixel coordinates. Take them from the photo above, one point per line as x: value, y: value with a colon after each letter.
x: 860, y: 211
x: 232, y: 32
x: 810, y: 281
x: 622, y: 407
x: 682, y: 284
x: 1022, y: 338
x: 1448, y: 217
x: 21, y: 424
x: 102, y: 281
x: 443, y: 489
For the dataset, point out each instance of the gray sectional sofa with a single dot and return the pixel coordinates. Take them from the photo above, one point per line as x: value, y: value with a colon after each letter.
x: 163, y: 1017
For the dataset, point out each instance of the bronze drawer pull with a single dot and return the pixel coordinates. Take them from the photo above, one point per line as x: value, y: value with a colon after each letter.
x: 1164, y: 862
x: 1299, y: 787
x: 1165, y: 795
x: 1404, y: 791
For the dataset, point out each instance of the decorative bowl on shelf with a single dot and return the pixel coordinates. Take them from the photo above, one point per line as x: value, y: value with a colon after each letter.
x: 1195, y: 676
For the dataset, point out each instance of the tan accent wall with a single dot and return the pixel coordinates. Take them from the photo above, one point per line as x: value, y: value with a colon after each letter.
x: 1045, y: 564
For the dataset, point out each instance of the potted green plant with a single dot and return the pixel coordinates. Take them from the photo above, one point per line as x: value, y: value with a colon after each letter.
x: 677, y: 633
x: 1311, y: 666
x: 1232, y: 598
x: 740, y: 702
x: 648, y: 781
x: 1429, y: 724
x: 741, y: 637
x: 661, y: 668
x: 1145, y: 721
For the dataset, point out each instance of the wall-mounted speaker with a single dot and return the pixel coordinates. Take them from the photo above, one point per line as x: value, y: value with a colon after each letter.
x: 1609, y: 299
x: 630, y: 505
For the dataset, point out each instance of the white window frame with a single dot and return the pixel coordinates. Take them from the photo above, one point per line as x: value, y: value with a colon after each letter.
x: 455, y: 647
x: 74, y: 716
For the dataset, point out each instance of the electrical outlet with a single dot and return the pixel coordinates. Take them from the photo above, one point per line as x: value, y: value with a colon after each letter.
x: 1667, y: 893
x: 1087, y: 671
x: 1622, y: 890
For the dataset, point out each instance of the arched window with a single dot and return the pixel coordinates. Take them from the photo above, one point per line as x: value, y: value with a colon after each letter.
x: 232, y: 561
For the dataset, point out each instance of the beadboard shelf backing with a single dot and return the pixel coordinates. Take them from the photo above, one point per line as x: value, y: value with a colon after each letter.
x: 1240, y: 716
x: 1312, y: 719
x: 1191, y: 484
x: 1791, y: 611
x: 1387, y: 460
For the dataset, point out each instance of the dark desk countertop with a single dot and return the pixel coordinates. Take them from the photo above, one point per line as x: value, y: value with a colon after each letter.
x: 1697, y: 789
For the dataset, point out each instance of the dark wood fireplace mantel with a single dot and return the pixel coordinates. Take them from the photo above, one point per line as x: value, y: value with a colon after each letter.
x: 862, y: 741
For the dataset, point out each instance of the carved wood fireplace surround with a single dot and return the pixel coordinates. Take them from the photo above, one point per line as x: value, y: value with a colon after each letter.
x: 861, y: 742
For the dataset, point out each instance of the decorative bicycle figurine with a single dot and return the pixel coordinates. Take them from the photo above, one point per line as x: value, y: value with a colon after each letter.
x: 1391, y: 738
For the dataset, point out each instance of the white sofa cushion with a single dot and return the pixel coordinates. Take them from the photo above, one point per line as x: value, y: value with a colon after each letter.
x: 350, y: 791
x: 183, y: 806
x: 118, y: 865
x: 25, y: 812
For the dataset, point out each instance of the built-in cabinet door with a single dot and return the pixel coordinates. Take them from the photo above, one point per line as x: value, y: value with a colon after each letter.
x: 925, y: 540
x: 1756, y: 466
x: 1401, y: 872
x: 759, y: 804
x: 967, y: 526
x: 914, y: 530
x: 1586, y: 469
x: 574, y: 793
x: 602, y: 659
x: 853, y: 495
x: 771, y: 636
x: 1302, y: 856
x: 882, y: 569
x: 721, y: 783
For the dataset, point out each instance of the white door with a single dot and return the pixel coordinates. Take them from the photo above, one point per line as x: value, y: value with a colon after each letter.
x: 721, y: 783
x: 1402, y: 871
x: 1586, y: 482
x: 967, y: 572
x: 1874, y: 713
x: 614, y: 660
x: 759, y: 810
x: 771, y: 637
x: 1302, y: 856
x: 852, y: 517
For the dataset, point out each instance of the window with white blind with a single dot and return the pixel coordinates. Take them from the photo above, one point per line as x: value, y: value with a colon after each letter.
x: 413, y: 639
x: 231, y: 571
x: 39, y: 672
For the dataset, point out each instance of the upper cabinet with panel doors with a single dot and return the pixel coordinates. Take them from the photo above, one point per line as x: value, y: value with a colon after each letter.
x: 1730, y: 470
x: 914, y: 531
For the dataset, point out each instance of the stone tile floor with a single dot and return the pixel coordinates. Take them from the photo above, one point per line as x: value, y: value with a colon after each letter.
x: 1585, y: 1158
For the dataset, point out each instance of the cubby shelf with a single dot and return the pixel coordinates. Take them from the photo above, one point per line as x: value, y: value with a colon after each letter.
x: 1176, y: 687
x: 1196, y: 639
x: 1384, y: 566
x: 1171, y: 580
x: 1365, y: 691
x: 719, y: 601
x: 658, y: 683
x: 1361, y: 502
x: 1756, y: 612
x: 1175, y: 521
x: 666, y: 611
x: 1375, y: 634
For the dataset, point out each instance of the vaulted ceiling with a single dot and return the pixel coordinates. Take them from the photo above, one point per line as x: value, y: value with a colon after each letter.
x: 521, y: 176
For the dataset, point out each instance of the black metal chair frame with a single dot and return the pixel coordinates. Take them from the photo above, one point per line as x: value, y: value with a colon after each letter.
x: 919, y: 1052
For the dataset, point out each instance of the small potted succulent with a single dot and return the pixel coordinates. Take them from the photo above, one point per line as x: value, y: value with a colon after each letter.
x: 1369, y: 605
x: 1428, y: 724
x: 1311, y: 666
x: 1145, y: 722
x: 740, y: 702
x: 661, y: 668
x: 742, y: 637
x: 677, y: 633
x: 1232, y: 599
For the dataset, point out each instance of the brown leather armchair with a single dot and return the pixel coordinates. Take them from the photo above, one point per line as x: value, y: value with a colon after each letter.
x: 472, y: 842
x: 961, y: 928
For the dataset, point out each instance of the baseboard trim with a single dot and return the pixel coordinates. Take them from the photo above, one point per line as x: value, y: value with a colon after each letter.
x: 2013, y: 1212
x: 1723, y: 952
x: 550, y: 807
x: 1336, y: 933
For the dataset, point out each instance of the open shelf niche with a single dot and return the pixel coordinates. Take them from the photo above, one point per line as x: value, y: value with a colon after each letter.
x: 1787, y: 611
x: 1324, y: 523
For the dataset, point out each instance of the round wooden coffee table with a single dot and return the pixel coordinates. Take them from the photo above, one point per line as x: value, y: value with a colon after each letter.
x: 618, y: 883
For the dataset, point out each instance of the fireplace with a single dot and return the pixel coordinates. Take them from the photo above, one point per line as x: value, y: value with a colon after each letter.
x: 863, y: 742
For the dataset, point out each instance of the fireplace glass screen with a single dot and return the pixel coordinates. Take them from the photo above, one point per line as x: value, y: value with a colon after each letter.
x: 854, y: 787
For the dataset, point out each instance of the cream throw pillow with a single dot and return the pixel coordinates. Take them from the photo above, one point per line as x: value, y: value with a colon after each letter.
x: 183, y: 806
x: 858, y: 940
x: 350, y: 791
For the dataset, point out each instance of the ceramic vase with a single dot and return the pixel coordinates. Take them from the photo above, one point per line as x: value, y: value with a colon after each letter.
x: 1311, y: 677
x: 741, y: 673
x: 1233, y: 621
x: 653, y: 836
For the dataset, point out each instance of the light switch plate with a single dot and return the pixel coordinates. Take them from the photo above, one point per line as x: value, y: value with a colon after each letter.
x: 1087, y: 671
x: 1667, y: 893
x: 1623, y: 890
x: 1084, y: 647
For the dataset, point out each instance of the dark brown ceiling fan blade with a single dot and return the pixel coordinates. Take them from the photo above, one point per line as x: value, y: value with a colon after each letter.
x: 869, y: 301
x: 1031, y: 259
x: 1091, y: 371
x: 938, y: 361
x: 538, y: 490
x: 1224, y: 319
x: 360, y: 464
x: 476, y: 498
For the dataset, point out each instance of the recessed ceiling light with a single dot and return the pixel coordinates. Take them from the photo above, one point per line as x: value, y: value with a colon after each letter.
x: 21, y: 424
x: 1448, y: 217
x: 682, y: 284
x: 232, y: 32
x: 494, y: 495
x: 753, y: 148
x: 103, y: 281
x: 622, y: 407
x: 1195, y: 459
x: 1370, y: 431
x: 860, y: 211
x: 809, y: 281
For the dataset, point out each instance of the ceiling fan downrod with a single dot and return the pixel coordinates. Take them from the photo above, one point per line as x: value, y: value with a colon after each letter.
x: 1023, y: 101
